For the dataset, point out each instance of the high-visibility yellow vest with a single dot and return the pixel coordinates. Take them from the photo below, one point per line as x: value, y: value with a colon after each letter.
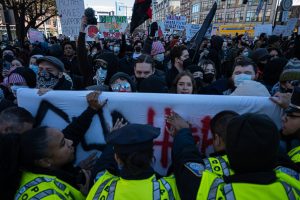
x: 40, y: 186
x: 218, y: 165
x: 112, y: 187
x: 294, y: 154
x: 213, y: 187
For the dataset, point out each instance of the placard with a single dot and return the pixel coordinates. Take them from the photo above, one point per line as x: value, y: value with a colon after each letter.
x: 35, y: 36
x: 175, y: 22
x: 262, y: 28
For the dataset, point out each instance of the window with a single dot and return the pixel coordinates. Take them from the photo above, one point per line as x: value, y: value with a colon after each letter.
x: 205, y: 5
x: 195, y: 8
x: 195, y: 20
x: 231, y: 3
x: 238, y: 17
x: 251, y: 16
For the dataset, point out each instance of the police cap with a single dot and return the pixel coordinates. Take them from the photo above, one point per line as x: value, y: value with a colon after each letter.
x: 133, y: 137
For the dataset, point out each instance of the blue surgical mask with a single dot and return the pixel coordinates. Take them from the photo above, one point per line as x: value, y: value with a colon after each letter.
x: 34, y: 68
x: 159, y: 57
x: 238, y: 79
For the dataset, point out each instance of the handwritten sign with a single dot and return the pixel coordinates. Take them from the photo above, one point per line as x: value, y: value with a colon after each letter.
x: 35, y: 36
x: 70, y: 12
x: 145, y: 109
x: 290, y: 26
x: 279, y: 30
x: 263, y: 28
x: 175, y: 22
x: 112, y: 26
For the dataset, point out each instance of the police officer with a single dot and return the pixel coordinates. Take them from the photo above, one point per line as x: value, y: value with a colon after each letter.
x: 132, y: 148
x: 252, y: 142
x: 291, y: 123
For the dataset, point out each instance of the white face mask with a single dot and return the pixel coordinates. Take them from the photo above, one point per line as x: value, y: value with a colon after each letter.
x: 238, y: 79
x: 159, y: 57
x: 14, y: 89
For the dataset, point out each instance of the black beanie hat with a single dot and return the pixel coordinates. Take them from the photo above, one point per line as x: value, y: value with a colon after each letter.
x: 252, y: 143
x: 153, y: 84
x: 27, y: 74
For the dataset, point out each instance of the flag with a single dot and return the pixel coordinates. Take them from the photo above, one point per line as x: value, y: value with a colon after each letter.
x: 141, y: 12
x: 197, y: 40
x: 259, y: 7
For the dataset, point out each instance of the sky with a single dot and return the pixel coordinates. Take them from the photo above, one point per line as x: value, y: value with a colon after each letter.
x: 106, y: 5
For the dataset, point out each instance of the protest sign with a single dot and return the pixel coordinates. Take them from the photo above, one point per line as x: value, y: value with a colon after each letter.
x: 143, y: 109
x: 191, y: 30
x: 91, y: 31
x: 262, y: 28
x: 113, y: 26
x: 279, y: 30
x: 70, y: 12
x: 290, y: 27
x: 175, y: 22
x: 35, y: 36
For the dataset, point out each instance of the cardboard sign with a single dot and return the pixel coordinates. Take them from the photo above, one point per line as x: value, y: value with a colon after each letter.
x: 144, y: 109
x: 263, y: 28
x: 70, y: 12
x: 35, y: 36
x: 279, y: 30
x: 290, y: 26
x: 175, y: 22
x: 191, y: 30
x: 112, y: 26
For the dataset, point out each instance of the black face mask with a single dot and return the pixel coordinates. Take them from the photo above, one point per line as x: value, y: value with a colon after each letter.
x: 138, y: 82
x: 208, y: 78
x: 8, y: 58
x: 138, y: 49
x: 187, y: 62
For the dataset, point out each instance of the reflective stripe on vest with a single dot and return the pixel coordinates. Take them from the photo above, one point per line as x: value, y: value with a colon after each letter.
x: 217, y: 165
x: 214, y: 188
x: 156, y: 190
x: 224, y: 165
x: 112, y: 189
x: 289, y: 172
x: 46, y: 193
x: 32, y: 183
x: 288, y: 190
x: 293, y: 153
x: 100, y: 189
x: 229, y: 193
x: 168, y: 188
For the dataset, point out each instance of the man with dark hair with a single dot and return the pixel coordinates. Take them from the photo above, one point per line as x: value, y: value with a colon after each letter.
x: 218, y: 126
x: 145, y: 67
x: 15, y: 120
x: 179, y: 55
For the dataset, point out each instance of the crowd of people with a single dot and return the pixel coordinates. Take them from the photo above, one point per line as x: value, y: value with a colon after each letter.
x: 252, y: 158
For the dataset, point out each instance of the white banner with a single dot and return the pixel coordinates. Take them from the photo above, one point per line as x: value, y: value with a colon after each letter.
x: 70, y: 13
x: 175, y: 22
x: 146, y: 109
x: 263, y: 28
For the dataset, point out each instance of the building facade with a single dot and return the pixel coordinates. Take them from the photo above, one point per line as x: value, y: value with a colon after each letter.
x: 232, y: 11
x: 164, y: 8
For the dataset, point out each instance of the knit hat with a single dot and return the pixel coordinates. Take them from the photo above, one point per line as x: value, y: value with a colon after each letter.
x: 252, y: 142
x: 291, y: 71
x: 54, y: 61
x: 23, y: 75
x: 157, y: 48
x: 251, y: 88
x: 153, y: 84
x: 124, y: 76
